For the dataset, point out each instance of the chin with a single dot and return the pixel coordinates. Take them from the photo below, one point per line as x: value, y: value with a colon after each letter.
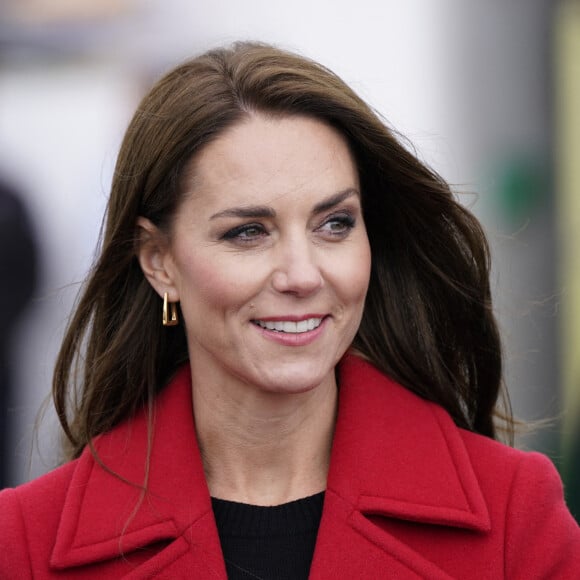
x: 288, y: 389
x: 296, y: 381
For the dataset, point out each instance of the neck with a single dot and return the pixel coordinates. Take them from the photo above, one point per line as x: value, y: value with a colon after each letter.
x: 265, y: 448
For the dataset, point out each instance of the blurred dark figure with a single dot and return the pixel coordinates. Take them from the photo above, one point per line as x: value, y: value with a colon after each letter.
x: 18, y: 269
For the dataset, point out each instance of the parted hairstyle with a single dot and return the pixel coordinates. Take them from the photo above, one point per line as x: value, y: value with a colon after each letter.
x: 427, y: 322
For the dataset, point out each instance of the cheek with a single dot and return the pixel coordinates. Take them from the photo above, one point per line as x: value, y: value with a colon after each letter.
x: 350, y: 277
x: 359, y: 272
x: 208, y: 283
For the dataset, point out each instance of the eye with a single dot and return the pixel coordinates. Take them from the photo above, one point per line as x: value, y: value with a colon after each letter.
x: 338, y: 225
x: 245, y: 233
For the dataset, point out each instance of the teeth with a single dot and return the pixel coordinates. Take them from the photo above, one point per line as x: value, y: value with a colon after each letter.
x: 290, y: 327
x: 302, y: 326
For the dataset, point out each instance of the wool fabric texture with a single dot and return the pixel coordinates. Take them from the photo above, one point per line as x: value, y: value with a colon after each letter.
x: 409, y: 495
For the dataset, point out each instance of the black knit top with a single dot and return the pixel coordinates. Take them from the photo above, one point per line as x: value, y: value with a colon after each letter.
x: 268, y: 543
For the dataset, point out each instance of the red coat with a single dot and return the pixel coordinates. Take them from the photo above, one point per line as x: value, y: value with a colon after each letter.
x: 409, y: 496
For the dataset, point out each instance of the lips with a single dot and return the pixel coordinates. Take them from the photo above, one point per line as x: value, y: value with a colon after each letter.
x: 290, y: 326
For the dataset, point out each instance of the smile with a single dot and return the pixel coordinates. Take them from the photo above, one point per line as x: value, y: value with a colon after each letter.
x: 288, y: 326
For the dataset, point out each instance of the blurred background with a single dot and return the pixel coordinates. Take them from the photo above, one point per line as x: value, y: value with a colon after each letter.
x: 488, y: 93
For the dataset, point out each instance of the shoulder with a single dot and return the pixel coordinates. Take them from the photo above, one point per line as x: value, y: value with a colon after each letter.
x: 30, y: 517
x: 501, y: 467
x: 52, y: 485
x: 403, y: 459
x: 525, y: 497
x: 522, y: 474
x: 517, y: 485
x: 487, y: 449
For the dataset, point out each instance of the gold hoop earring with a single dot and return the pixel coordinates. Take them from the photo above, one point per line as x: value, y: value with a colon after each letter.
x: 167, y: 319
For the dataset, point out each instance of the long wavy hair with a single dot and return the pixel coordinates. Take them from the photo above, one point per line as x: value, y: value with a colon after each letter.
x: 428, y: 320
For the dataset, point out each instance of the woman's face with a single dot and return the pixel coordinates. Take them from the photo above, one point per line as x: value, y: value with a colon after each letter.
x: 269, y: 256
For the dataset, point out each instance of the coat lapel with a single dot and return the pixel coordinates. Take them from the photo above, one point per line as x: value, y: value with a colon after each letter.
x: 395, y: 458
x: 106, y: 515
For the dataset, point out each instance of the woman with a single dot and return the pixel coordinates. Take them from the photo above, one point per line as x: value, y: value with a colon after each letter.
x: 285, y: 362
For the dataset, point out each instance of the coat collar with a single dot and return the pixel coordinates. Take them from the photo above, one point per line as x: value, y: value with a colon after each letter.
x: 394, y: 455
x: 397, y: 455
x: 106, y: 510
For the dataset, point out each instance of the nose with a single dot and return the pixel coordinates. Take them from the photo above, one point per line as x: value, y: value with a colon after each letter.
x: 297, y: 271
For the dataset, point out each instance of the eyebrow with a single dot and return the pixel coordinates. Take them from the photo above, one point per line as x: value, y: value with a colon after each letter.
x: 334, y: 200
x: 264, y: 211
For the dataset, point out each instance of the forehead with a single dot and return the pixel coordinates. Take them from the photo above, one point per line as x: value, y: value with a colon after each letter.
x: 262, y: 159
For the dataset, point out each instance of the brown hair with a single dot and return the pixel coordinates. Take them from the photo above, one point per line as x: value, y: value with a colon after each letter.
x: 428, y: 319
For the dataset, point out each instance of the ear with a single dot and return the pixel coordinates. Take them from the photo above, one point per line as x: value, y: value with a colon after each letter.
x: 153, y: 251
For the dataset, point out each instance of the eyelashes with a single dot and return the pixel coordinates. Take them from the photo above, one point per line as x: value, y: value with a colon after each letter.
x: 335, y: 227
x: 339, y: 223
x: 245, y: 232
